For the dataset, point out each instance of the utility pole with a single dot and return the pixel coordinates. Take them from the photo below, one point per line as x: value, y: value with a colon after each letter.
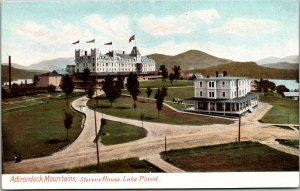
x: 239, y: 135
x: 98, y: 161
x: 9, y: 72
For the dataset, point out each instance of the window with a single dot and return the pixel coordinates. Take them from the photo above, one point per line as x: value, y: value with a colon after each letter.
x: 93, y: 64
x: 211, y: 84
x: 200, y: 93
x: 201, y: 84
x: 211, y: 94
x: 223, y: 84
x: 223, y: 94
x: 106, y: 64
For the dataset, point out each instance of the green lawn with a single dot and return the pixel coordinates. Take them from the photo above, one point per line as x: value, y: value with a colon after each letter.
x: 290, y: 143
x: 234, y: 157
x: 122, y: 107
x: 10, y: 104
x: 37, y: 130
x: 116, y: 132
x: 182, y: 92
x: 283, y: 110
x: 284, y: 127
x: 130, y: 165
x: 159, y: 83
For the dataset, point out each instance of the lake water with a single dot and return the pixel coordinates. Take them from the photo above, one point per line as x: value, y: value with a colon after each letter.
x: 290, y: 84
x: 19, y: 81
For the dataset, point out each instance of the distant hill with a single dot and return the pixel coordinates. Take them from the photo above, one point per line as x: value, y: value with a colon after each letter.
x: 249, y: 69
x: 17, y: 66
x: 272, y: 60
x: 54, y: 64
x: 283, y: 65
x: 189, y: 60
x: 17, y: 73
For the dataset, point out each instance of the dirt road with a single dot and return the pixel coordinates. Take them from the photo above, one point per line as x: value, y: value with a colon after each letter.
x: 83, y: 151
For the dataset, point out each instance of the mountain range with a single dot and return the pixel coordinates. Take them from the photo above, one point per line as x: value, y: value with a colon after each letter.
x: 273, y: 60
x: 54, y: 64
x: 191, y: 60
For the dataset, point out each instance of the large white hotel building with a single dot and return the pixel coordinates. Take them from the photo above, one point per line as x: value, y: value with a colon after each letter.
x: 114, y: 62
x: 223, y: 94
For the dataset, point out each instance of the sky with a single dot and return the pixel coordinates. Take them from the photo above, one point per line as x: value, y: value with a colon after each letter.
x: 33, y: 31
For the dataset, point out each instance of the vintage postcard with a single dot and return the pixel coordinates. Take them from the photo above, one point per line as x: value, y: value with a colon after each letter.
x: 147, y: 94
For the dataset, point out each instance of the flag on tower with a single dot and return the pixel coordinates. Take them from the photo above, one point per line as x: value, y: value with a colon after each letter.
x: 131, y: 38
x: 109, y: 43
x: 91, y: 41
x: 76, y: 42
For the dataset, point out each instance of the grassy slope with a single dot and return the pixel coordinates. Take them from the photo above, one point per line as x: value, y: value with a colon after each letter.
x: 116, y: 133
x: 17, y: 73
x: 122, y: 107
x: 246, y: 156
x: 131, y: 165
x: 290, y: 143
x: 28, y: 130
x: 283, y: 110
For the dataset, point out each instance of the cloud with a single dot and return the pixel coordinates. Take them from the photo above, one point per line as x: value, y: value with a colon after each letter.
x: 247, y: 26
x: 58, y: 33
x: 117, y: 27
x: 184, y: 23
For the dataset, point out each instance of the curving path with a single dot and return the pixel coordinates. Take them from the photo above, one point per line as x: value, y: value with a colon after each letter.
x: 83, y: 151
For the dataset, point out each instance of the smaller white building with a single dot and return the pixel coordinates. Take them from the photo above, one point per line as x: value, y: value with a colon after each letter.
x: 223, y: 94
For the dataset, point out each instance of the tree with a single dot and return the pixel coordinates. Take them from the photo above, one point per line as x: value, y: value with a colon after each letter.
x: 176, y: 70
x: 281, y: 88
x: 265, y: 85
x: 171, y: 77
x: 51, y: 88
x: 133, y: 86
x: 120, y: 81
x: 164, y: 91
x: 193, y: 77
x: 164, y: 72
x: 90, y: 91
x: 67, y: 86
x: 68, y: 121
x: 148, y: 92
x: 85, y: 77
x: 15, y: 90
x: 159, y: 101
x: 35, y: 80
x: 111, y: 89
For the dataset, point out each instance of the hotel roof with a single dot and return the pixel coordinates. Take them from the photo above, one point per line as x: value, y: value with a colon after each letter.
x: 221, y: 78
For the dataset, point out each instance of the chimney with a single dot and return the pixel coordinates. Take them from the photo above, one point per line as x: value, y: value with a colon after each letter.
x: 9, y: 72
x: 224, y: 73
x: 217, y: 74
x: 85, y: 52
